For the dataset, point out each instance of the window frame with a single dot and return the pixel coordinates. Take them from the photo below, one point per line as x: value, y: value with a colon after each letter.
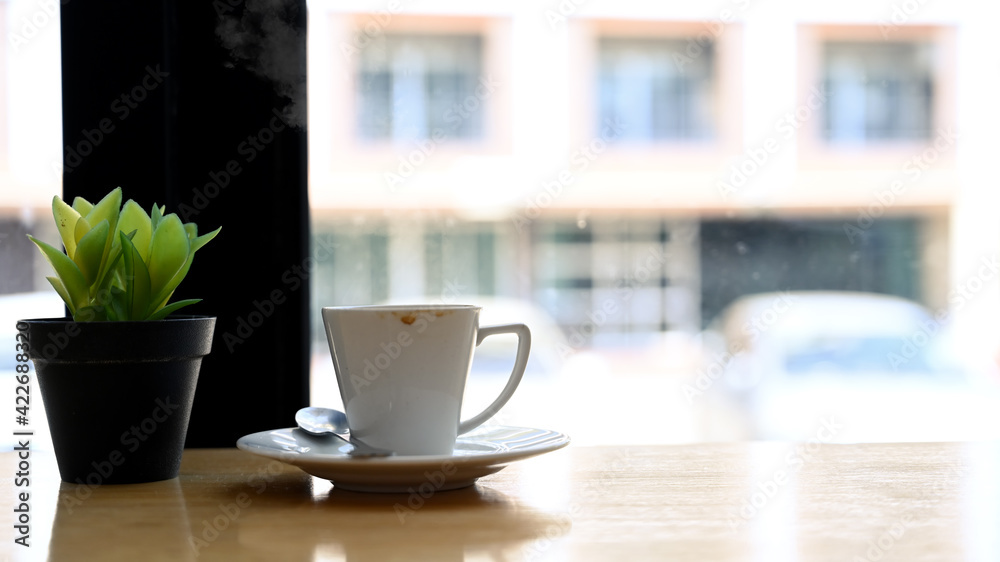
x: 176, y: 147
x: 815, y: 152
x: 693, y: 132
x: 727, y: 91
x: 346, y: 40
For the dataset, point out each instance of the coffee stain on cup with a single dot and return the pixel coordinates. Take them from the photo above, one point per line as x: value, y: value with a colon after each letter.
x: 409, y: 318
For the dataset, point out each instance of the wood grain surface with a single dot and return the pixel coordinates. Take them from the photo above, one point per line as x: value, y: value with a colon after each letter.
x: 736, y: 501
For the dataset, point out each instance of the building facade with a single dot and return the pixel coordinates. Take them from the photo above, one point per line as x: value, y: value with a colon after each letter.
x: 638, y: 163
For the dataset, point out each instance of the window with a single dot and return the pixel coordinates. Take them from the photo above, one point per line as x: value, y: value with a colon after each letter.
x: 645, y: 276
x: 417, y: 87
x: 630, y: 260
x: 611, y: 281
x: 30, y: 139
x: 449, y: 259
x: 741, y: 257
x: 461, y: 257
x: 877, y: 91
x: 656, y: 88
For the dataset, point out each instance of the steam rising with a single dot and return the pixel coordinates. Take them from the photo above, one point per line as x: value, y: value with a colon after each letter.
x: 264, y: 40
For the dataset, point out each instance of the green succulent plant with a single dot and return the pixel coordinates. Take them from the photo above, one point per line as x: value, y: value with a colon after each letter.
x: 120, y: 263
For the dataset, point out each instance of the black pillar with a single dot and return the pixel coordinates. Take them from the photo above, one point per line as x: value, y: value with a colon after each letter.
x: 201, y: 106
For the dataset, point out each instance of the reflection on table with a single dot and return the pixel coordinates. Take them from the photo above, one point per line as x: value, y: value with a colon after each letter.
x: 740, y: 501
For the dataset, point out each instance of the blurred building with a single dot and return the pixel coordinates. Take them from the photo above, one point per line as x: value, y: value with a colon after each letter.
x: 632, y: 167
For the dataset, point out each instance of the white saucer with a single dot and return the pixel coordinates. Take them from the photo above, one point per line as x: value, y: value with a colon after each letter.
x: 480, y: 452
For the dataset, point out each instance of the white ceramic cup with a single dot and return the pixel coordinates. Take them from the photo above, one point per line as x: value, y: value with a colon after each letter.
x: 402, y: 372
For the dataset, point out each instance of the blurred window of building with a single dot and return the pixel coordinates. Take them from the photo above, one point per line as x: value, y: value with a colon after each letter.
x: 636, y: 260
x: 30, y: 139
x: 744, y: 257
x: 358, y: 268
x: 878, y: 91
x: 461, y: 259
x: 410, y: 86
x: 656, y: 88
x: 617, y: 280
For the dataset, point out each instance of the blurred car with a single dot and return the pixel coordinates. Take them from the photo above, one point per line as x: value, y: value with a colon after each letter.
x: 875, y: 368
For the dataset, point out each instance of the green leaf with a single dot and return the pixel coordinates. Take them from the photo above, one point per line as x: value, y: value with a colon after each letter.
x: 90, y: 252
x: 65, y: 217
x: 108, y: 208
x: 119, y: 262
x: 168, y: 252
x: 163, y: 296
x: 61, y: 290
x: 117, y: 310
x: 136, y: 281
x: 134, y: 218
x: 109, y: 271
x: 171, y: 308
x: 81, y: 230
x: 70, y: 275
x: 156, y: 215
x: 82, y: 206
x: 200, y: 241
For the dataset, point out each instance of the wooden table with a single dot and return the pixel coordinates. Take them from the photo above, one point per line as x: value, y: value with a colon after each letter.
x: 740, y: 501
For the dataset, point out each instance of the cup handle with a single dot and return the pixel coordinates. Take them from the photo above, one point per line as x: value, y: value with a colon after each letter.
x: 520, y: 362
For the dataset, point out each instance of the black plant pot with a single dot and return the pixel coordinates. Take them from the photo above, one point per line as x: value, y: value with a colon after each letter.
x: 118, y: 395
